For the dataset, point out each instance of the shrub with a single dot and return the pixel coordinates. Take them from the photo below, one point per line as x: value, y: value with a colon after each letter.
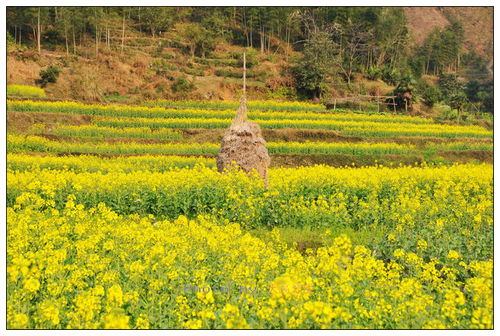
x: 49, y: 75
x: 431, y: 95
x: 182, y: 85
x: 283, y: 93
x: 390, y: 76
x: 373, y: 73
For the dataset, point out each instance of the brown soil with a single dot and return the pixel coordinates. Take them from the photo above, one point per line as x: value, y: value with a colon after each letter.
x: 467, y: 156
x: 342, y: 160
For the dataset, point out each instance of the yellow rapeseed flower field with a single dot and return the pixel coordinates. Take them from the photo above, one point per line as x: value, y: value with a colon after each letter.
x: 110, y: 249
x: 116, y: 234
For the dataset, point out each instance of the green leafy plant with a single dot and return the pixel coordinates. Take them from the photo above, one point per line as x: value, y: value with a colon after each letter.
x: 49, y: 75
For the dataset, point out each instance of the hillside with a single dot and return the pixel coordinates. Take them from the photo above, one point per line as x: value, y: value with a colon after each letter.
x: 154, y: 67
x: 143, y: 75
x: 477, y: 23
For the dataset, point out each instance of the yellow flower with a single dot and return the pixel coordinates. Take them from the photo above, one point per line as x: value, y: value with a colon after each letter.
x: 421, y: 244
x: 115, y: 295
x: 31, y: 285
x: 193, y: 324
x: 116, y: 320
x: 142, y: 322
x: 19, y: 321
x: 49, y: 312
x: 399, y: 253
x: 454, y: 255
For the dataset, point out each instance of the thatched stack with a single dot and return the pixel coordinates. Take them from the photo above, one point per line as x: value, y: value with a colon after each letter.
x: 243, y: 145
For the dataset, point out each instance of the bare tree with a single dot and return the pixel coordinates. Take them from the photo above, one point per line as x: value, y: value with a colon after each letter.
x: 352, y: 41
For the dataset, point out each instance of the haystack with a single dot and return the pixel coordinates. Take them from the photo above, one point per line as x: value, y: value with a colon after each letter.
x: 243, y: 145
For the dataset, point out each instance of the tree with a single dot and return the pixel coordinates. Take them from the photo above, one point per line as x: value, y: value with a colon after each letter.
x: 198, y: 39
x: 450, y: 84
x: 351, y: 41
x: 480, y: 92
x: 431, y: 95
x: 156, y: 19
x: 316, y: 64
x: 404, y: 93
x: 49, y: 75
x: 458, y: 101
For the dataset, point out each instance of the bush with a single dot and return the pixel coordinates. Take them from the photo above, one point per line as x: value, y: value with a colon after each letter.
x: 161, y: 67
x: 194, y: 72
x: 431, y: 95
x: 457, y: 101
x: 251, y: 57
x: 49, y: 75
x: 450, y: 84
x: 390, y: 76
x: 373, y: 73
x: 182, y: 85
x: 229, y: 73
x: 283, y: 93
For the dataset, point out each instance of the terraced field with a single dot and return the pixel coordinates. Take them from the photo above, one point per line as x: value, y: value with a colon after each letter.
x: 118, y: 219
x: 163, y: 129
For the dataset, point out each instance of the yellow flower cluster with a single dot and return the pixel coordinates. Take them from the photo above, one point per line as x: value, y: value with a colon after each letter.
x: 77, y: 267
x: 265, y: 105
x: 18, y: 143
x: 86, y: 163
x: 347, y: 123
x: 25, y: 91
x: 349, y: 127
x: 112, y: 132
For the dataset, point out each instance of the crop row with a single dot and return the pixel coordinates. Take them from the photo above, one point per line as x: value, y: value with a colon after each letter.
x: 113, y: 132
x: 16, y: 143
x: 364, y: 128
x: 25, y: 91
x: 90, y: 164
x: 189, y: 113
x: 262, y: 105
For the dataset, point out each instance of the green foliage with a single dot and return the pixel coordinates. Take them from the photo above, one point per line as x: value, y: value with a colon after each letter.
x: 162, y: 67
x: 182, y: 85
x: 450, y: 84
x: 238, y: 73
x: 156, y: 19
x: 10, y: 39
x: 457, y: 100
x: 251, y: 57
x: 373, y: 73
x: 283, y: 93
x: 229, y: 73
x: 49, y: 75
x: 431, y: 95
x: 404, y: 92
x: 196, y: 39
x: 389, y: 75
x: 441, y: 48
x: 315, y: 65
x: 481, y: 92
